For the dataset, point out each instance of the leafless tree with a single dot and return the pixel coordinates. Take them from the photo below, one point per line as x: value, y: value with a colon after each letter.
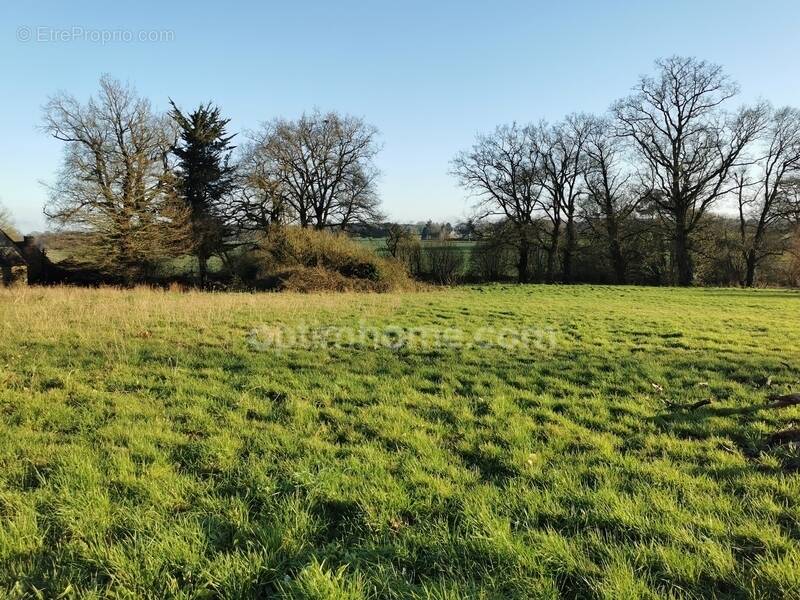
x: 444, y: 261
x: 259, y: 201
x: 611, y: 195
x: 7, y: 223
x: 317, y: 170
x: 501, y: 170
x: 790, y: 200
x: 686, y: 143
x: 115, y: 181
x: 403, y: 245
x: 396, y: 235
x: 763, y: 189
x: 561, y: 165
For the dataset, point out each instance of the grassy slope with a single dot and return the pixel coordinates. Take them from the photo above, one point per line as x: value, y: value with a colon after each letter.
x: 145, y: 449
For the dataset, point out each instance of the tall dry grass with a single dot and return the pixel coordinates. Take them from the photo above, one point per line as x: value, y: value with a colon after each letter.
x: 113, y: 315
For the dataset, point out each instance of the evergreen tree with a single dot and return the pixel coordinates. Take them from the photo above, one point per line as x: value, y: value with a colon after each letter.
x: 205, y: 177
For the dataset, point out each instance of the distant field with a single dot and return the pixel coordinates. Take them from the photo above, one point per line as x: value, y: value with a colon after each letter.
x: 380, y: 243
x: 464, y: 246
x: 517, y: 446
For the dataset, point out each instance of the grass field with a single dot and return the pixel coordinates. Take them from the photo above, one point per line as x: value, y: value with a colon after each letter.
x: 242, y: 446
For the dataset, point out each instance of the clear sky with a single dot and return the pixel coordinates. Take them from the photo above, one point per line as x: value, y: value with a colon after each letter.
x: 429, y: 75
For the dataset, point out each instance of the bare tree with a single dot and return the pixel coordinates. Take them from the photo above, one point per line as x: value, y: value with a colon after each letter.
x: 319, y: 169
x: 259, y: 201
x: 501, y: 171
x: 7, y: 223
x: 687, y: 145
x: 396, y: 235
x: 115, y: 182
x: 790, y: 200
x: 611, y: 197
x: 444, y: 261
x: 561, y: 159
x: 404, y: 245
x: 762, y: 191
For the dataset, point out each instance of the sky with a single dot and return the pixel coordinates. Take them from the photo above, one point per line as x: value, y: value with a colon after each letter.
x: 429, y: 75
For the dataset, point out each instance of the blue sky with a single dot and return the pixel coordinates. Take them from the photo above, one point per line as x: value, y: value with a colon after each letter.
x: 429, y: 75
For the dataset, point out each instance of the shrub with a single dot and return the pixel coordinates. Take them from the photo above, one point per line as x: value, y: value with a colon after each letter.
x: 404, y: 246
x: 444, y: 262
x: 312, y: 260
x: 242, y: 268
x: 491, y: 261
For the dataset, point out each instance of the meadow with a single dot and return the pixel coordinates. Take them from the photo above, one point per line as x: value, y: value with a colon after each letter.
x: 474, y: 442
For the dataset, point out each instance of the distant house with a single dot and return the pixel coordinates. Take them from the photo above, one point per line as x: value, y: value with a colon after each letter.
x: 20, y: 262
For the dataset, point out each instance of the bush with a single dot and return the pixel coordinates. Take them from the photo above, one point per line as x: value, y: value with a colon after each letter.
x: 311, y: 260
x: 491, y: 261
x: 242, y: 269
x: 404, y: 246
x: 444, y: 262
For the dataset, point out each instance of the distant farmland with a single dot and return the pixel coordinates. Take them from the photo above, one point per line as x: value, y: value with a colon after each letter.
x: 380, y: 243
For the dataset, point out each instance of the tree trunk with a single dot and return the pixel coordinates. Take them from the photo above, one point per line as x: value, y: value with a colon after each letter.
x: 522, y: 263
x: 614, y: 247
x: 552, y: 254
x: 750, y: 269
x: 683, y: 256
x: 569, y: 251
x: 618, y: 262
x: 202, y: 262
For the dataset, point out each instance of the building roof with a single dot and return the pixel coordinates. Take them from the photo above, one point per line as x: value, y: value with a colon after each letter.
x: 10, y: 254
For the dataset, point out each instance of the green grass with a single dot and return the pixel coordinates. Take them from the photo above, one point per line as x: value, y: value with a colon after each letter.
x: 148, y: 448
x: 380, y: 243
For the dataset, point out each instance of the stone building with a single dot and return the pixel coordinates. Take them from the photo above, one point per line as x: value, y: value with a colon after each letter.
x: 20, y: 262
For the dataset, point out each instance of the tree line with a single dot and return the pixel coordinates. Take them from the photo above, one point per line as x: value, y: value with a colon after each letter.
x: 643, y: 178
x: 142, y: 187
x: 631, y: 193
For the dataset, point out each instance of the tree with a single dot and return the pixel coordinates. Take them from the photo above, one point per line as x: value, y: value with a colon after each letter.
x: 561, y: 152
x: 687, y: 145
x: 396, y: 235
x: 7, y: 223
x: 611, y: 200
x: 431, y: 231
x: 444, y: 261
x: 258, y: 202
x: 205, y: 177
x: 790, y: 201
x: 492, y: 255
x: 762, y: 190
x: 403, y: 245
x: 501, y: 171
x: 115, y: 183
x: 319, y: 169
